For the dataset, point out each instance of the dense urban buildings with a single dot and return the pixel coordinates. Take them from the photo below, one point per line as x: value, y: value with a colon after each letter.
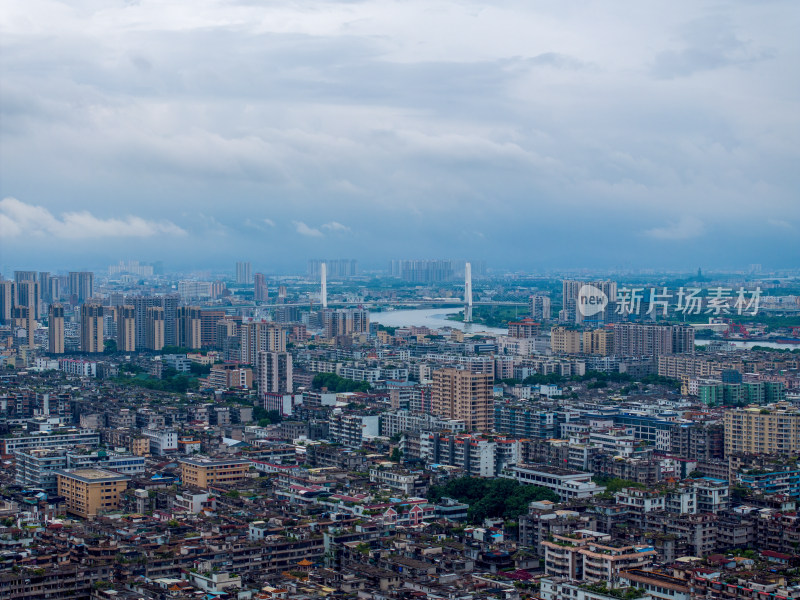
x: 260, y: 336
x: 578, y: 379
x: 339, y: 268
x: 132, y: 267
x: 344, y: 321
x: 424, y: 271
x: 288, y: 446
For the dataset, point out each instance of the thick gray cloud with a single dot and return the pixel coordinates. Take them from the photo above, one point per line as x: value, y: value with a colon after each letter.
x: 527, y: 134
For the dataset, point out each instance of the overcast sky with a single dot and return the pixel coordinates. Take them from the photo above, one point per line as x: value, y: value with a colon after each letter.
x: 532, y: 135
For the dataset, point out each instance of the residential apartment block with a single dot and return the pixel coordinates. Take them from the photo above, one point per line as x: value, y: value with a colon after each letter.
x: 203, y: 472
x: 773, y: 429
x: 88, y: 491
x: 463, y: 396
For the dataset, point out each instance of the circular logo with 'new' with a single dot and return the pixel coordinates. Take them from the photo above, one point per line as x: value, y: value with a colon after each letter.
x: 591, y: 300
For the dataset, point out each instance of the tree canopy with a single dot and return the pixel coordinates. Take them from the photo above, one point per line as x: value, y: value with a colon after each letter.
x: 176, y: 383
x: 266, y: 417
x: 337, y: 384
x: 615, y: 484
x: 499, y: 497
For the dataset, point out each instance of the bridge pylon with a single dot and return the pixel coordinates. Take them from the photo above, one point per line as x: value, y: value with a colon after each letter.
x: 468, y: 293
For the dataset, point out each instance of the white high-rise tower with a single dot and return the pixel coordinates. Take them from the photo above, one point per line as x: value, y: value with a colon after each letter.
x: 468, y: 293
x: 324, y: 290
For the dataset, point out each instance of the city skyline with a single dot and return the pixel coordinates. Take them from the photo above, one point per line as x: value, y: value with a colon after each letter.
x: 209, y: 133
x: 224, y: 272
x: 380, y: 300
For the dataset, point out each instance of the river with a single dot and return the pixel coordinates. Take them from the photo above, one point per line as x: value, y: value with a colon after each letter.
x: 435, y: 318
x: 747, y: 345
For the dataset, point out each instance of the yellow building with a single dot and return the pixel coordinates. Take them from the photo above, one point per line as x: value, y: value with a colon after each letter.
x: 189, y: 327
x: 8, y: 296
x: 55, y: 329
x: 29, y: 294
x: 258, y: 337
x: 91, y: 328
x: 202, y: 471
x: 140, y: 446
x: 126, y: 328
x: 462, y: 395
x: 599, y: 342
x: 565, y: 341
x: 88, y: 491
x: 772, y: 429
x: 23, y: 319
x: 154, y: 328
x: 677, y: 366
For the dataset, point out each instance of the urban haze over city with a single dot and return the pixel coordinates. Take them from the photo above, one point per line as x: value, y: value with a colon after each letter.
x: 371, y: 300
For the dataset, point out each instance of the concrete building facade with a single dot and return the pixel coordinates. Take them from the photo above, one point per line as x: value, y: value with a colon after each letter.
x: 465, y: 396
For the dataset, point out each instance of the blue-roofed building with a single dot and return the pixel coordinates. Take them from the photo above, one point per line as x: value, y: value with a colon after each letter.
x: 785, y: 481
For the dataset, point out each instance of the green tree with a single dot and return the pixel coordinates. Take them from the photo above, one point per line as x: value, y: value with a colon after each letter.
x: 615, y: 484
x: 740, y: 492
x: 337, y: 384
x: 266, y: 417
x: 499, y: 497
x: 363, y: 548
x: 550, y: 379
x: 198, y: 369
x: 175, y: 350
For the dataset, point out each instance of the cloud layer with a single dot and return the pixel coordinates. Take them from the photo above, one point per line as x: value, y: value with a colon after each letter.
x: 380, y: 129
x: 18, y: 219
x: 684, y: 229
x: 332, y: 227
